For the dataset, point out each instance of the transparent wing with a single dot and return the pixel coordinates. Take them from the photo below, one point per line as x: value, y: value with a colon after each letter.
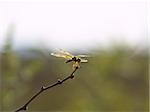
x: 84, y: 61
x: 58, y: 55
x: 83, y: 56
x: 65, y: 52
x: 61, y: 55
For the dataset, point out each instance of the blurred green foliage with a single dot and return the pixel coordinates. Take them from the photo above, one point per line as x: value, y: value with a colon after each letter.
x: 115, y: 79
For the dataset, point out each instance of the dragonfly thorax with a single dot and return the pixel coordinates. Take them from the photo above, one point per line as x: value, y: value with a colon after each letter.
x: 76, y: 59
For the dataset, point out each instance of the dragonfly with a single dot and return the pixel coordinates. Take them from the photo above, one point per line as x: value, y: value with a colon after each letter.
x: 76, y: 60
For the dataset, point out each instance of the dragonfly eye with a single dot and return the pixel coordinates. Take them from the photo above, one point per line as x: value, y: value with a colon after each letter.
x: 78, y: 60
x: 74, y: 58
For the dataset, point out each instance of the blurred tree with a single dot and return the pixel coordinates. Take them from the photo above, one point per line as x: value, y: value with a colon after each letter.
x: 15, y: 73
x: 115, y: 79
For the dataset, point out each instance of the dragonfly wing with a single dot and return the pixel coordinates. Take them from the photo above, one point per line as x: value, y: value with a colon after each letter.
x: 65, y: 52
x: 61, y: 55
x: 69, y: 57
x: 58, y: 55
x: 82, y: 56
x: 84, y: 61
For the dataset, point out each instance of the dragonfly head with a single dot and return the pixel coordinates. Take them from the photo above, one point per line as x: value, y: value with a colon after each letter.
x: 76, y: 59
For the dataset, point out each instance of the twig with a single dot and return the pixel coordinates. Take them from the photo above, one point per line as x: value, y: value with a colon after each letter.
x: 24, y: 107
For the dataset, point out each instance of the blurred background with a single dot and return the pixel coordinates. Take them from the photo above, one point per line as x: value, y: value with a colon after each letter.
x: 114, y: 34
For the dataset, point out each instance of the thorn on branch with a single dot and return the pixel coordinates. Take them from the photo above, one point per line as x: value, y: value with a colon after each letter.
x: 72, y: 76
x: 59, y: 81
x: 25, y: 108
x: 43, y: 87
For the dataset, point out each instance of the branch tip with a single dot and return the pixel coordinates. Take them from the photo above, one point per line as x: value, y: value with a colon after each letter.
x: 76, y: 67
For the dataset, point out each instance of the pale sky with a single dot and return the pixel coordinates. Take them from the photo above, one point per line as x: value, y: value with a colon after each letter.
x: 59, y: 24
